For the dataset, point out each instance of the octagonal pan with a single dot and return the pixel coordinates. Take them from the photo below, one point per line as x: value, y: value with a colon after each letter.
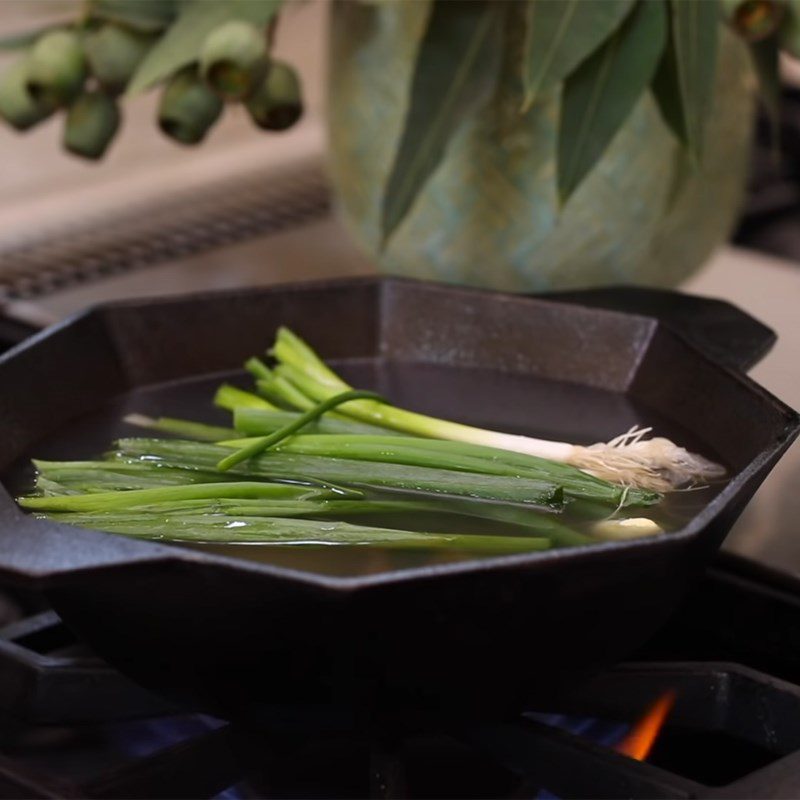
x: 261, y: 639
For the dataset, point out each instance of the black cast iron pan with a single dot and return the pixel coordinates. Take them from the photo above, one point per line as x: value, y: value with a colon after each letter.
x: 259, y: 641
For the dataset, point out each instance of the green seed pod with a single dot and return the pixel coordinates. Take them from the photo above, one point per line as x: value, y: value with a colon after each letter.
x: 56, y: 68
x: 276, y: 104
x: 17, y: 107
x: 188, y: 108
x: 754, y: 20
x: 92, y: 122
x: 790, y: 30
x: 233, y: 59
x: 114, y: 53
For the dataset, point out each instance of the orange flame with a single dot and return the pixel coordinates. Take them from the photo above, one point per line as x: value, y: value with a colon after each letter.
x: 639, y: 742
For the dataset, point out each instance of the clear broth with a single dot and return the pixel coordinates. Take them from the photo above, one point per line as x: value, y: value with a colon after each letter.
x: 514, y: 403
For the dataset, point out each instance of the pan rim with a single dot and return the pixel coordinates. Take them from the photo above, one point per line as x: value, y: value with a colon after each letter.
x: 166, y: 552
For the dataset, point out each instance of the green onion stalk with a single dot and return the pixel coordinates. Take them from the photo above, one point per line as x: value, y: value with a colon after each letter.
x: 242, y: 530
x: 547, y: 495
x: 118, y: 476
x: 258, y: 422
x: 239, y: 490
x: 187, y: 429
x: 233, y: 398
x: 257, y: 445
x: 399, y: 449
x: 631, y: 459
x: 456, y: 456
x: 286, y: 500
x: 308, y: 452
x: 249, y: 422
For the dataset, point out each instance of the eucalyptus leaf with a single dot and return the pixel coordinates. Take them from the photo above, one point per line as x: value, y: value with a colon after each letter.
x: 684, y: 83
x: 147, y: 16
x: 682, y: 171
x: 560, y: 34
x: 455, y: 74
x: 598, y: 97
x: 182, y: 43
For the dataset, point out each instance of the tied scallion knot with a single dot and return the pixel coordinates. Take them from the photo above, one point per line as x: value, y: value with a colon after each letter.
x: 265, y: 442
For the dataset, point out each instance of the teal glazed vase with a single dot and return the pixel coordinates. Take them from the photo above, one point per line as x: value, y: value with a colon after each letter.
x: 489, y: 216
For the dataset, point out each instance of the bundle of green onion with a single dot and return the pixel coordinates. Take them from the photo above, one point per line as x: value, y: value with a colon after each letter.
x: 308, y: 460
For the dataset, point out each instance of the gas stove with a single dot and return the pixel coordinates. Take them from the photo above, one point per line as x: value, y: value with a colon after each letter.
x: 709, y: 708
x: 722, y: 677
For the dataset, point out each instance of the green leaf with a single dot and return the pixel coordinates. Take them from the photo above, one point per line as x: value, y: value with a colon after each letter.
x: 455, y: 74
x: 682, y: 171
x: 684, y: 83
x: 141, y: 15
x: 601, y: 93
x: 560, y: 34
x: 181, y: 44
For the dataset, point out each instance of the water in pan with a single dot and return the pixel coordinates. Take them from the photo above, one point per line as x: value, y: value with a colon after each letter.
x: 514, y: 403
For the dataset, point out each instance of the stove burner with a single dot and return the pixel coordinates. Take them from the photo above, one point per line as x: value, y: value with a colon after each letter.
x: 72, y: 727
x: 47, y: 678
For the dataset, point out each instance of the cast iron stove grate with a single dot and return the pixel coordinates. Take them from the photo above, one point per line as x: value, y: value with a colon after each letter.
x: 74, y: 727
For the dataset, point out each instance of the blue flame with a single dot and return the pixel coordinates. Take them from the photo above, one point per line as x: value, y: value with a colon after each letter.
x: 600, y: 731
x: 145, y: 737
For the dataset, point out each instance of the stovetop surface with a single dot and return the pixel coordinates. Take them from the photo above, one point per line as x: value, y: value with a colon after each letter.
x: 729, y: 662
